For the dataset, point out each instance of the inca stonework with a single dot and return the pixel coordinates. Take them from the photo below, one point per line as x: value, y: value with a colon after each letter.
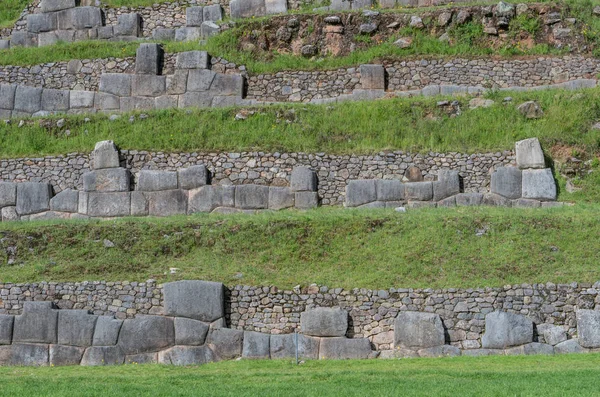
x: 334, y: 171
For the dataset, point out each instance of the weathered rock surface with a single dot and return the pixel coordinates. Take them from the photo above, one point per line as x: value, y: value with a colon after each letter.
x: 146, y: 334
x: 504, y: 330
x: 256, y: 345
x: 342, y: 348
x: 195, y: 299
x: 418, y: 330
x: 324, y: 321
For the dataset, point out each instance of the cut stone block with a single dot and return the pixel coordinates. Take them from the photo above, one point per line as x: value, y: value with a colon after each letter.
x: 148, y: 85
x: 496, y: 200
x: 118, y: 84
x: 28, y: 99
x: 200, y: 80
x: 569, y: 346
x: 529, y: 154
x: 194, y: 16
x: 80, y: 18
x: 213, y: 12
x: 507, y: 182
x: 190, y: 332
x: 419, y: 191
x: 107, y: 180
x: 439, y: 351
x: 344, y: 349
x: 167, y: 202
x: 9, y: 214
x: 142, y: 358
x: 526, y: 203
x: 65, y: 355
x: 372, y: 77
x: 195, y: 100
x: 104, y: 101
x: 55, y: 100
x: 418, y: 330
x: 128, y: 25
x: 105, y: 155
x: 276, y: 7
x: 228, y: 84
x: 340, y: 5
x: 103, y: 355
x: 324, y: 321
x: 65, y: 201
x: 256, y: 345
x: 207, y: 198
x: 107, y: 330
x: 146, y: 334
x: 284, y: 346
x: 148, y: 59
x: 105, y: 32
x: 7, y: 96
x: 303, y: 179
x: 139, y: 204
x: 529, y: 349
x: 81, y: 99
x: 553, y: 334
x: 469, y: 199
x: 162, y: 34
x: 226, y: 343
x: 186, y: 355
x: 389, y: 190
x: 33, y: 197
x: 359, y: 192
x: 56, y: 5
x: 306, y: 200
x: 8, y: 194
x: 188, y: 33
x: 133, y: 103
x: 280, y: 198
x: 588, y: 328
x: 447, y: 185
x: 24, y: 355
x: 177, y: 82
x: 37, y: 324
x: 37, y: 23
x: 106, y: 205
x: 209, y: 29
x: 23, y: 39
x: 539, y: 184
x: 247, y: 8
x: 6, y: 329
x: 195, y: 299
x: 192, y: 177
x: 252, y: 197
x: 150, y: 181
x: 166, y: 102
x: 504, y: 330
x: 76, y: 327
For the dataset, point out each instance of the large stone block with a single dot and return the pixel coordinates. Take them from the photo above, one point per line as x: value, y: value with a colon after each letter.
x: 306, y: 200
x: 65, y: 201
x: 469, y: 199
x: 80, y: 18
x: 133, y: 103
x: 148, y: 85
x: 6, y: 329
x: 276, y: 7
x: 418, y: 191
x: 151, y: 181
x: 162, y: 34
x: 118, y: 84
x: 344, y: 349
x: 372, y: 77
x: 188, y: 33
x: 324, y: 321
x: 24, y: 355
x: 209, y: 197
x: 284, y: 346
x: 8, y: 194
x: 37, y: 23
x: 4, y: 44
x: 28, y: 99
x: 200, y: 80
x: 247, y: 8
x: 418, y: 330
x: 256, y: 345
x: 209, y: 29
x: 447, y: 185
x: 9, y: 214
x: 196, y: 299
x: 105, y: 155
x: 504, y: 330
x: 588, y: 328
x: 529, y: 349
x: 106, y: 205
x: 228, y: 84
x: 65, y: 355
x: 33, y: 197
x: 212, y: 12
x: 103, y: 355
x: 250, y: 197
x: 167, y: 202
x: 81, y: 99
x: 303, y: 178
x: 128, y: 25
x: 359, y: 192
x: 194, y: 16
x: 37, y: 324
x: 107, y: 331
x: 439, y: 351
x: 190, y: 332
x: 166, y: 102
x: 569, y: 346
x: 139, y: 203
x: 149, y: 59
x: 226, y: 343
x: 104, y: 101
x: 56, y: 5
x: 389, y: 190
x: 177, y: 82
x: 22, y: 38
x: 280, y: 198
x: 7, y: 96
x: 55, y: 100
x: 529, y: 154
x: 195, y: 100
x: 553, y: 334
x: 76, y: 327
x: 538, y: 184
x: 192, y: 177
x: 186, y: 355
x: 107, y: 180
x: 145, y: 334
x: 507, y: 182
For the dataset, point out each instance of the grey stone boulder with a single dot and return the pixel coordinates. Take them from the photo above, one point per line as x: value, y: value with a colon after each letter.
x: 195, y: 299
x: 28, y: 99
x: 8, y: 194
x: 569, y: 346
x: 439, y: 351
x: 37, y: 23
x: 530, y: 110
x: 418, y: 191
x: 303, y: 178
x: 37, y: 324
x: 284, y: 346
x: 530, y: 349
x: 228, y: 84
x: 55, y: 100
x: 148, y: 85
x: 186, y: 355
x: 306, y: 200
x: 9, y: 214
x: 107, y: 205
x: 139, y: 204
x: 76, y: 327
x: 344, y: 349
x: 553, y: 334
x: 447, y: 185
x: 107, y: 180
x: 128, y: 25
x: 192, y: 60
x: 22, y: 38
x: 65, y: 355
x: 24, y: 355
x: 372, y: 77
x: 7, y: 96
x: 200, y: 80
x: 192, y: 177
x: 213, y: 12
x: 65, y: 201
x: 107, y: 331
x: 418, y: 330
x: 167, y: 202
x: 142, y: 358
x: 118, y: 84
x: 324, y: 321
x: 149, y: 59
x: 538, y: 184
x: 56, y: 5
x: 482, y: 352
x: 507, y: 182
x: 247, y: 8
x: 105, y: 155
x: 209, y: 29
x: 495, y: 200
x: 359, y: 192
x: 280, y: 198
x: 79, y: 18
x: 151, y: 181
x: 208, y: 198
x: 588, y: 328
x: 188, y: 33
x: 104, y: 101
x: 226, y: 343
x: 162, y: 34
x: 250, y: 197
x: 469, y: 199
x: 6, y: 328
x: 504, y: 330
x: 194, y: 16
x: 81, y: 99
x: 190, y: 332
x: 103, y: 355
x: 389, y: 190
x: 146, y: 334
x: 33, y: 197
x: 529, y: 154
x: 177, y: 82
x: 256, y: 345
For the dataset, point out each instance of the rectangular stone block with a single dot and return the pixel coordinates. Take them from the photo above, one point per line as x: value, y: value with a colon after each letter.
x: 359, y: 192
x: 340, y: 5
x: 280, y: 198
x: 28, y: 99
x: 107, y: 180
x: 55, y: 100
x: 80, y: 18
x: 8, y: 194
x: 252, y: 197
x: 284, y: 346
x: 47, y: 39
x: 128, y: 25
x: 6, y: 329
x: 344, y: 349
x: 200, y: 80
x: 166, y: 102
x: 132, y: 103
x: 419, y: 191
x: 65, y: 355
x: 103, y: 355
x: 192, y: 60
x: 105, y: 101
x: 139, y: 204
x: 469, y: 199
x: 37, y: 23
x: 529, y: 154
x: 195, y: 299
x: 188, y: 33
x: 4, y: 44
x: 106, y: 332
x: 37, y: 324
x: 209, y: 29
x: 22, y: 38
x: 109, y: 204
x: 193, y: 16
x: 7, y: 96
x: 306, y: 200
x: 65, y: 201
x: 372, y: 77
x: 105, y: 32
x: 81, y: 99
x: 276, y: 7
x: 507, y: 182
x: 447, y: 185
x: 190, y: 332
x: 177, y: 82
x: 24, y: 354
x: 148, y: 85
x: 161, y: 34
x: 538, y: 184
x: 389, y: 190
x: 247, y: 8
x: 118, y: 84
x: 324, y: 321
x: 105, y: 155
x: 303, y: 179
x: 33, y: 197
x: 76, y: 327
x: 208, y: 198
x: 150, y: 181
x: 192, y: 177
x: 149, y: 59
x: 56, y: 5
x: 195, y: 100
x: 227, y: 84
x: 256, y: 345
x: 213, y: 12
x: 167, y: 202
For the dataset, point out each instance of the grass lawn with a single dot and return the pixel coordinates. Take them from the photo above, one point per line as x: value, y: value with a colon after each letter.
x: 463, y: 376
x: 433, y: 248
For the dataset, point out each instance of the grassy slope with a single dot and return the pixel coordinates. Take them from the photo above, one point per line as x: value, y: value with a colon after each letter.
x: 427, y: 248
x: 465, y: 376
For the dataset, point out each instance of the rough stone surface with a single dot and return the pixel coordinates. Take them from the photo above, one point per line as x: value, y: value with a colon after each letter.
x: 569, y: 346
x: 529, y: 154
x: 103, y: 355
x: 105, y: 155
x: 359, y: 192
x: 192, y: 177
x: 24, y: 354
x: 149, y: 58
x: 507, y: 181
x: 256, y: 345
x: 186, y: 355
x: 226, y: 343
x: 284, y: 346
x: 539, y: 184
x: 151, y: 181
x: 439, y: 351
x: 372, y: 77
x: 199, y: 300
x: 193, y: 60
x: 116, y: 84
x: 324, y: 322
x: 552, y: 334
x: 116, y: 204
x: 280, y: 198
x: 448, y: 184
x: 146, y: 334
x: 76, y: 327
x: 389, y: 190
x: 37, y: 324
x: 303, y: 178
x: 342, y: 348
x: 418, y: 330
x: 8, y: 194
x: 588, y: 328
x: 65, y: 355
x: 28, y: 99
x: 33, y: 197
x: 107, y: 180
x: 504, y: 330
x: 190, y: 332
x: 420, y: 191
x: 107, y: 331
x: 6, y: 329
x: 252, y: 197
x: 247, y: 8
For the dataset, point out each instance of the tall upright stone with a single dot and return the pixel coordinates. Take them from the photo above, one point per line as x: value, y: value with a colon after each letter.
x: 195, y: 299
x: 105, y: 155
x: 529, y: 154
x: 149, y: 59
